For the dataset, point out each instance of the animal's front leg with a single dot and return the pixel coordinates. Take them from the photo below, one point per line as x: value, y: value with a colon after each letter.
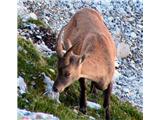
x: 107, y: 94
x: 82, y: 95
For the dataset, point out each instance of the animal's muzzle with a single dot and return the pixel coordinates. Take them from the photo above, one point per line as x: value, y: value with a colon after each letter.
x: 55, y: 89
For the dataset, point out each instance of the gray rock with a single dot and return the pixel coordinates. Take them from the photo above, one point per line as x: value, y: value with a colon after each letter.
x: 123, y: 50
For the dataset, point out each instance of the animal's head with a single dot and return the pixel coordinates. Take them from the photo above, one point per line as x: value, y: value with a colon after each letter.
x: 69, y: 69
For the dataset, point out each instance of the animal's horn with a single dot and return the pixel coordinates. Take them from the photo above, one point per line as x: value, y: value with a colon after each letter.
x: 69, y: 51
x: 59, y: 46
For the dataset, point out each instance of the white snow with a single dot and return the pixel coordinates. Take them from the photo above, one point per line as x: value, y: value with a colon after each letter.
x: 22, y: 85
x: 27, y: 115
x: 93, y: 105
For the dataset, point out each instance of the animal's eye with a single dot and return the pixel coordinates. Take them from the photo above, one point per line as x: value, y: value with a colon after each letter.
x: 67, y: 74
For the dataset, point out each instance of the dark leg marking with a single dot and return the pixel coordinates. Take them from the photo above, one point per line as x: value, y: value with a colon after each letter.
x: 82, y: 95
x: 107, y: 94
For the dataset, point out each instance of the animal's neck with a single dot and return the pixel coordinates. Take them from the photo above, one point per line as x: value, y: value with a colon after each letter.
x: 90, y: 70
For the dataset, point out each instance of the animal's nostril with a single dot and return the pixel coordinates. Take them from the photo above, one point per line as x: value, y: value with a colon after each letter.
x: 55, y: 89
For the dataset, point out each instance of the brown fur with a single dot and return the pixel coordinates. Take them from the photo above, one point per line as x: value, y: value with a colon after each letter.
x: 92, y: 54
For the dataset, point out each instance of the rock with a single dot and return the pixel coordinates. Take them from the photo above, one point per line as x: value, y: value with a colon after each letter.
x: 54, y: 96
x: 130, y: 19
x: 33, y: 16
x: 39, y: 37
x: 91, y: 118
x: 48, y: 91
x: 21, y: 9
x: 116, y: 75
x: 133, y: 35
x: 123, y: 50
x: 19, y: 48
x: 44, y: 49
x: 23, y: 114
x: 126, y: 90
x: 22, y: 87
x: 76, y: 111
x: 49, y: 83
x: 93, y: 105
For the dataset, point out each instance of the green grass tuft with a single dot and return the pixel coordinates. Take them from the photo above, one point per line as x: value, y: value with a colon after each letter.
x: 37, y: 22
x: 40, y: 23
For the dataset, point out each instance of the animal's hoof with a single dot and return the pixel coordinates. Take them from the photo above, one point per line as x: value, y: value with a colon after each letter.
x: 83, y: 110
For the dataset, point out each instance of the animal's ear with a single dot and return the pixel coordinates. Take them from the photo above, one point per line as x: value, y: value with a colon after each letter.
x: 81, y: 59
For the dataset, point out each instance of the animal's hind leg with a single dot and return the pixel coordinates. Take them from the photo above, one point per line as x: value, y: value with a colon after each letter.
x: 93, y: 88
x: 82, y: 95
x: 107, y: 94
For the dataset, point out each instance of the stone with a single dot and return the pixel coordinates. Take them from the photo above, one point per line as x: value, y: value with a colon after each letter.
x: 33, y: 16
x: 76, y: 111
x: 123, y: 50
x: 133, y: 35
x: 91, y: 118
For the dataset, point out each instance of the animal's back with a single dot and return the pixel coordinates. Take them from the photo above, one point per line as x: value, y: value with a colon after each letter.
x: 85, y: 22
x: 87, y: 28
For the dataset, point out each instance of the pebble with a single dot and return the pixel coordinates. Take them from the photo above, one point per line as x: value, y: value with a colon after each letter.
x: 76, y: 111
x: 33, y: 16
x: 133, y: 35
x: 91, y: 118
x: 93, y: 105
x: 123, y: 50
x: 126, y: 90
x: 19, y: 48
x: 39, y: 37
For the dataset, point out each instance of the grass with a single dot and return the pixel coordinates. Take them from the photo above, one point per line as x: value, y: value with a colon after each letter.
x: 32, y: 63
x: 33, y: 21
x: 37, y: 22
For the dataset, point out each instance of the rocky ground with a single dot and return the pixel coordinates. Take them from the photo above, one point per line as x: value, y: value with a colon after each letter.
x: 123, y: 18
